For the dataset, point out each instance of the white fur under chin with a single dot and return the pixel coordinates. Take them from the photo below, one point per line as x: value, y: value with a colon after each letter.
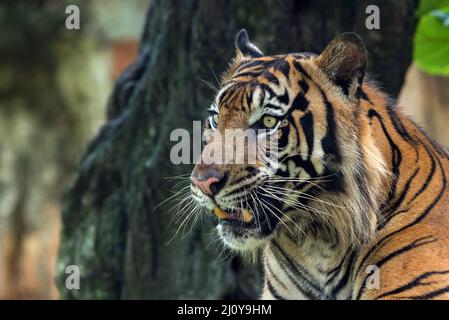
x: 251, y: 242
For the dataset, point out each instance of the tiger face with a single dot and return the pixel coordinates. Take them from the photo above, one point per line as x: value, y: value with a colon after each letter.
x: 308, y: 104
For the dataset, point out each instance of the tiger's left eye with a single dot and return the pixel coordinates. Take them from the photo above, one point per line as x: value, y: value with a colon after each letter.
x: 269, y: 122
x: 213, y: 120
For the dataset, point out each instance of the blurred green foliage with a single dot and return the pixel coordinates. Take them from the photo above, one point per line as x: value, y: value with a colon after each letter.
x: 431, y: 43
x: 426, y: 6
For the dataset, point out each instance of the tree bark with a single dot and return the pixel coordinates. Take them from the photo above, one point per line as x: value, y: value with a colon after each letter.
x: 110, y: 228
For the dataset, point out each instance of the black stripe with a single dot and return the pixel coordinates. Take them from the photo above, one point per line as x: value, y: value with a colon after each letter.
x: 430, y: 295
x: 300, y: 102
x: 415, y: 244
x: 268, y: 90
x: 329, y: 142
x: 292, y: 122
x: 395, y: 155
x: 333, y: 272
x: 255, y: 63
x: 398, y: 125
x: 343, y: 84
x: 307, y: 125
x: 428, y: 178
x: 252, y: 74
x: 270, y: 77
x: 345, y: 279
x: 284, y: 67
x: 362, y: 95
x: 299, y: 67
x: 421, y: 190
x: 295, y: 282
x: 392, y: 209
x: 284, y: 99
x: 303, y: 85
x: 412, y: 284
x: 305, y: 165
x: 249, y: 100
x: 275, y: 277
x: 273, y: 291
x: 273, y: 107
x: 307, y: 278
x: 416, y: 221
x: 283, y: 140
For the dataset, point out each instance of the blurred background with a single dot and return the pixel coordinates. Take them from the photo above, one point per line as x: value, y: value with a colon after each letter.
x: 75, y: 125
x: 54, y: 86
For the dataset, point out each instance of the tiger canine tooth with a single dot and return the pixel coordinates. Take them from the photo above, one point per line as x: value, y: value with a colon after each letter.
x: 247, y: 216
x: 220, y: 213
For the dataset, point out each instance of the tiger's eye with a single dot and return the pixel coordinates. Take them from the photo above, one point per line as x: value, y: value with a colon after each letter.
x: 215, y: 119
x: 269, y: 122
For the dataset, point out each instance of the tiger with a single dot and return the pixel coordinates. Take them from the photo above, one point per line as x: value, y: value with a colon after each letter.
x: 357, y: 207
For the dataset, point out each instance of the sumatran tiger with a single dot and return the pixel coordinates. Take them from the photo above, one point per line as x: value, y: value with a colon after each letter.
x: 359, y: 190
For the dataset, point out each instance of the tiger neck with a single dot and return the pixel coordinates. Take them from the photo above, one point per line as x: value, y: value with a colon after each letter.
x: 408, y: 153
x: 309, y: 268
x: 318, y: 265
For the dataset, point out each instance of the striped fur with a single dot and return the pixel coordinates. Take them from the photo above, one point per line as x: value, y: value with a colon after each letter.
x: 360, y: 184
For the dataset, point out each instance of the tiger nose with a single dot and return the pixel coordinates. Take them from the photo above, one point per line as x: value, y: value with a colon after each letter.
x: 210, y: 185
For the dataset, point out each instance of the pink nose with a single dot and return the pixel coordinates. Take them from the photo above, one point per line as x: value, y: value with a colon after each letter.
x: 204, y: 185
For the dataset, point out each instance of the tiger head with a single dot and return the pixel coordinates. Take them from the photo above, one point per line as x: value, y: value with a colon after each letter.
x: 328, y: 171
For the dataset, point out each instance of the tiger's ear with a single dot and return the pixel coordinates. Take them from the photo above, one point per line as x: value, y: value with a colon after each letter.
x: 244, y: 46
x: 344, y: 61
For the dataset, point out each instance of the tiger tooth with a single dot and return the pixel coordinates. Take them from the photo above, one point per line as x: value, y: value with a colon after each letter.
x: 220, y: 213
x: 247, y: 216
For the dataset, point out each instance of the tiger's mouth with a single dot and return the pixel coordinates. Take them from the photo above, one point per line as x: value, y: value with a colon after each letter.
x: 246, y: 222
x: 244, y: 216
x: 243, y: 220
x: 242, y: 229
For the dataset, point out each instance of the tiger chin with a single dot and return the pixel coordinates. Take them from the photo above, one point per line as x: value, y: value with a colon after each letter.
x: 357, y: 184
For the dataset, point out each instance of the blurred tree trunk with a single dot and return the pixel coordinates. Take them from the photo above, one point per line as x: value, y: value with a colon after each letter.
x: 110, y: 228
x: 426, y: 98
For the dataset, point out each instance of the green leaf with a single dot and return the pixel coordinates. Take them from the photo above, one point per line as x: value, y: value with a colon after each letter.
x: 426, y: 6
x: 431, y: 43
x: 443, y: 16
